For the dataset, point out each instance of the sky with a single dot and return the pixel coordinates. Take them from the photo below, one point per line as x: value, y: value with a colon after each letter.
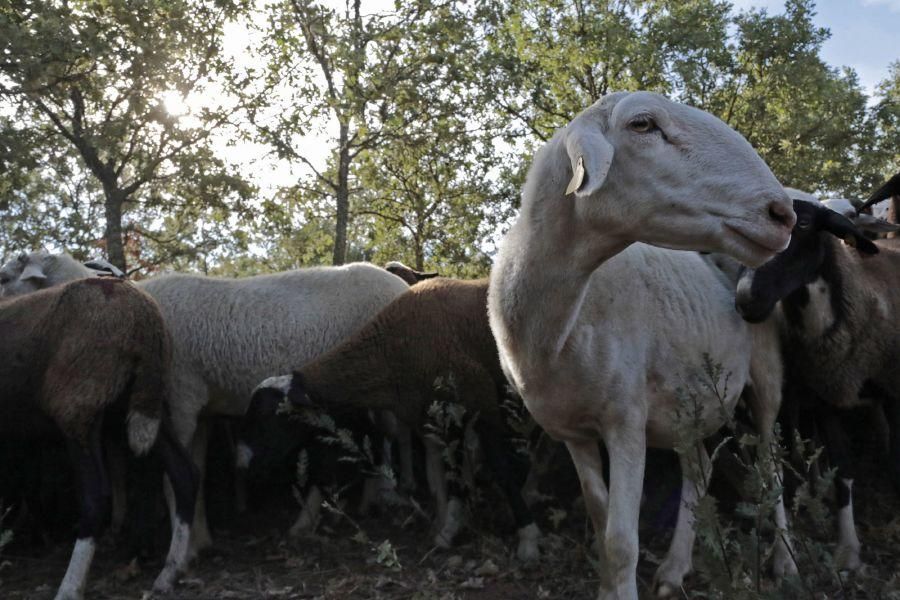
x: 865, y: 34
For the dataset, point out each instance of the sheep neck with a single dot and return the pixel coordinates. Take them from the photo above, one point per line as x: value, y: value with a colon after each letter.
x: 543, y: 276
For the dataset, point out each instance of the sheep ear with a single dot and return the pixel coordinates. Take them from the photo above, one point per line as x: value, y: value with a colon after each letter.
x: 590, y: 155
x: 33, y: 271
x: 874, y: 224
x: 843, y: 228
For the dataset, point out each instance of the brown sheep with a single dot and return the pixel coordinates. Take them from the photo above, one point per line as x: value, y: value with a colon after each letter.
x: 438, y: 328
x: 69, y: 357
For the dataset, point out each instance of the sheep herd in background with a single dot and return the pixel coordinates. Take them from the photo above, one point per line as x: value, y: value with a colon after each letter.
x: 597, y: 310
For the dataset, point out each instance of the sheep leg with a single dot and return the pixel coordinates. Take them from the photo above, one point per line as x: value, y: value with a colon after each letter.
x: 94, y: 495
x: 847, y: 552
x: 783, y: 555
x: 892, y: 412
x: 378, y: 487
x: 240, y: 472
x: 395, y: 431
x: 455, y: 480
x: 764, y: 398
x: 589, y: 466
x: 447, y: 492
x: 405, y: 452
x: 510, y: 470
x: 309, y: 514
x: 437, y: 485
x: 115, y: 456
x: 200, y: 536
x: 184, y: 477
x: 627, y: 446
x: 695, y: 471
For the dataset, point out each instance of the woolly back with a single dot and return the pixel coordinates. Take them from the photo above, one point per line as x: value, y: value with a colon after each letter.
x: 438, y: 327
x: 82, y: 346
x: 236, y: 332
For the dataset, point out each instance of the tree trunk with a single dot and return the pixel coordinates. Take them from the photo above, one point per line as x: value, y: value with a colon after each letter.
x: 419, y: 249
x: 115, y: 245
x: 343, y: 198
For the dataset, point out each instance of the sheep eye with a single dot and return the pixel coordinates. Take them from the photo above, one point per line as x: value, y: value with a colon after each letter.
x: 642, y: 124
x: 804, y: 223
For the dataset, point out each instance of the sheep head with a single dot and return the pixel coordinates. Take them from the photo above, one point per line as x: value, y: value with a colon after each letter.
x: 801, y: 263
x: 408, y: 274
x: 642, y: 168
x: 23, y: 274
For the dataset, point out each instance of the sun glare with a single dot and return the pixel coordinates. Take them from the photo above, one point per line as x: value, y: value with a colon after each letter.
x: 176, y: 104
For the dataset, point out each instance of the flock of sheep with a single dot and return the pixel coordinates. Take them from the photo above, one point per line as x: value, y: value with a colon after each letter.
x: 598, y: 307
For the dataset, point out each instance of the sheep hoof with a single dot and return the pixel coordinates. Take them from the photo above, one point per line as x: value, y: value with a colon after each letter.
x: 200, y: 541
x: 666, y: 590
x: 164, y: 584
x: 453, y: 522
x: 847, y: 558
x: 442, y: 542
x: 670, y: 577
x: 300, y: 529
x: 783, y: 565
x: 528, y: 551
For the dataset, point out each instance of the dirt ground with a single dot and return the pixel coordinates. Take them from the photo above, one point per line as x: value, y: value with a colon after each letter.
x: 254, y: 558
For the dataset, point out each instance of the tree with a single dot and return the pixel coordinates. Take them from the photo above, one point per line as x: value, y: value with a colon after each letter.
x: 803, y: 117
x: 434, y: 198
x: 348, y: 75
x: 45, y: 197
x: 759, y: 72
x: 879, y: 153
x: 94, y: 75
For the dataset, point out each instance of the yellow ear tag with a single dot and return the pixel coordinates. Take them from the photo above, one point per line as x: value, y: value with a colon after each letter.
x: 577, y: 176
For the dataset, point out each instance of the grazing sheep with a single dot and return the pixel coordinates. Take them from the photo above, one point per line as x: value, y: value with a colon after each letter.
x: 595, y: 332
x: 71, y: 354
x: 838, y: 307
x: 438, y: 329
x: 230, y: 334
x: 334, y: 456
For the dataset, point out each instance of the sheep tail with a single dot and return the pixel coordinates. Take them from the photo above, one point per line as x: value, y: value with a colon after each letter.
x: 145, y: 405
x: 151, y: 385
x: 142, y: 431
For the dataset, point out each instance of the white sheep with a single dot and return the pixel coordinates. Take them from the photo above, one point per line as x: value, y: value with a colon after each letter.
x: 71, y: 355
x: 230, y: 334
x: 596, y: 332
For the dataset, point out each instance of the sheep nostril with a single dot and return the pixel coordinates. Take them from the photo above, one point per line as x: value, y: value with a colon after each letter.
x: 782, y: 214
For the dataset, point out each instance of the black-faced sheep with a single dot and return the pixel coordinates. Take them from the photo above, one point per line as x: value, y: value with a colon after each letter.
x: 838, y: 311
x: 437, y: 329
x: 71, y: 356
